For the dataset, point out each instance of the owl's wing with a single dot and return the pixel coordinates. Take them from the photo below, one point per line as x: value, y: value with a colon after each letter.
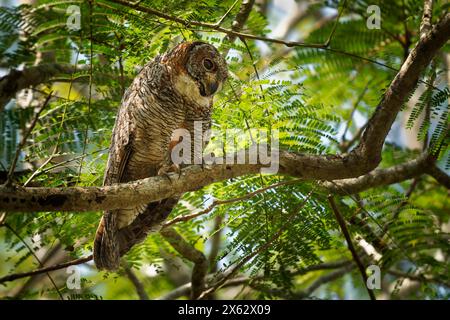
x: 121, y: 146
x: 106, y: 248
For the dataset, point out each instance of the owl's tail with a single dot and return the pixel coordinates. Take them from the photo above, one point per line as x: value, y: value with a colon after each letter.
x: 106, y: 249
x: 110, y: 244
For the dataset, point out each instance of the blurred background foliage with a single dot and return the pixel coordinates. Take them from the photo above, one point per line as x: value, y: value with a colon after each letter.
x: 318, y: 99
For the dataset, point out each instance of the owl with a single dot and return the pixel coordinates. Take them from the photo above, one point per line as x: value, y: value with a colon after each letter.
x: 170, y: 93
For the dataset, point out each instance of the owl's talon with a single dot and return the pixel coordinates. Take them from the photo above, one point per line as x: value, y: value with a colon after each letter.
x: 165, y: 174
x: 166, y: 169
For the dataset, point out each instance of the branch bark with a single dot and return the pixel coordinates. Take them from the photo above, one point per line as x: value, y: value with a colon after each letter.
x: 241, y: 18
x: 158, y: 188
x: 381, y: 177
x: 425, y: 25
x: 439, y: 175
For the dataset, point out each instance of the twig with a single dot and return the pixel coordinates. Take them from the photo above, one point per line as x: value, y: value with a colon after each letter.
x: 22, y: 143
x: 35, y: 256
x: 347, y: 236
x: 262, y: 248
x: 185, y: 289
x: 215, y: 243
x: 345, y: 146
x: 218, y: 23
x: 91, y: 58
x: 361, y: 160
x: 316, y: 284
x: 215, y: 27
x: 355, y: 106
x: 16, y: 276
x: 402, y: 204
x: 218, y: 202
x: 38, y: 171
x: 327, y: 43
x: 51, y: 256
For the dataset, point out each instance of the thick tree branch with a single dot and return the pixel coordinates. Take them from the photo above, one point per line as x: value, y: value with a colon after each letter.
x: 192, y: 178
x: 419, y: 278
x: 17, y: 80
x: 241, y: 18
x: 381, y: 177
x: 364, y: 158
x: 439, y: 175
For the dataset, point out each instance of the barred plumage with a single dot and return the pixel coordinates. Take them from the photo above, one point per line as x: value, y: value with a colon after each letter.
x: 170, y: 92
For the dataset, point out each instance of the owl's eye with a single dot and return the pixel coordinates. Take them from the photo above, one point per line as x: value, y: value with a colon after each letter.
x: 208, y: 64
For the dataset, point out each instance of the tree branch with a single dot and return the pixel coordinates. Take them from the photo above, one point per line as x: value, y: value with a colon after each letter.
x: 136, y: 282
x: 419, y: 277
x: 439, y: 175
x: 318, y: 283
x: 241, y: 18
x: 16, y: 276
x: 425, y: 25
x: 348, y: 238
x: 189, y: 252
x: 217, y: 202
x: 157, y: 188
x: 256, y: 251
x: 17, y: 80
x: 403, y: 83
x: 214, y: 26
x: 380, y: 177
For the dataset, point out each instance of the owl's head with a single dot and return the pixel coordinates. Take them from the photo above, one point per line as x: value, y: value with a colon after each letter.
x: 200, y: 70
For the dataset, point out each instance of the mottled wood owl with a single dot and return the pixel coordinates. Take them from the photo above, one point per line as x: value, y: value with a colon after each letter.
x: 169, y: 93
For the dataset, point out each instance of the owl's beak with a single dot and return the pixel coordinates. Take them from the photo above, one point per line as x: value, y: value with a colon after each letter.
x: 213, y: 88
x: 208, y: 88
